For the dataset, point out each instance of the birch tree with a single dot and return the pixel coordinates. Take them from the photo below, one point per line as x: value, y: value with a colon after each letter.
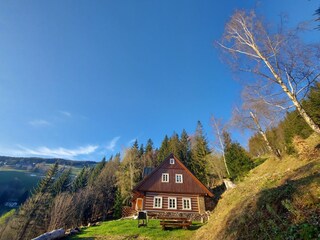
x: 257, y: 116
x: 285, y: 66
x: 218, y: 129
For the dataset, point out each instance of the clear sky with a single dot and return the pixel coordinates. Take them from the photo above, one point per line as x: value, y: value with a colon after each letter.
x: 83, y: 79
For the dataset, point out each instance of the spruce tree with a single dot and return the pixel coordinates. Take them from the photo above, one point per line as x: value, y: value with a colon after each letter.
x: 164, y: 150
x: 149, y: 155
x: 174, y: 145
x: 184, y: 148
x: 149, y: 146
x: 81, y: 180
x: 45, y: 185
x: 312, y: 103
x: 141, y: 150
x: 238, y: 160
x: 62, y: 184
x: 118, y: 204
x: 199, y: 151
x: 135, y: 144
x: 96, y: 171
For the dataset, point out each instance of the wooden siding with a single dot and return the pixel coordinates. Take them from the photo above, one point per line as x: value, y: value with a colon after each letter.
x: 154, y: 184
x: 148, y: 202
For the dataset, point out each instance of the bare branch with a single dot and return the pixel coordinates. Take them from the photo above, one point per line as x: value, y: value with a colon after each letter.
x: 281, y: 59
x: 238, y: 51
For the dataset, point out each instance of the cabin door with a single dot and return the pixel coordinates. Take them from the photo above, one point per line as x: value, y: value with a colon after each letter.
x: 139, y: 204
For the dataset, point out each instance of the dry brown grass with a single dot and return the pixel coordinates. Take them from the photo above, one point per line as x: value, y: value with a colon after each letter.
x: 276, y: 199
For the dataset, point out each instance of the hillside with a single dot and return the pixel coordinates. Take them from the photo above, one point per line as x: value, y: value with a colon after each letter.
x: 277, y: 200
x: 280, y: 199
x: 30, y: 162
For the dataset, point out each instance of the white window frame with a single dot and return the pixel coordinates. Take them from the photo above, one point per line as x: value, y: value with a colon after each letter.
x: 163, y: 177
x: 175, y: 201
x: 171, y: 160
x: 154, y: 202
x: 186, y: 199
x: 180, y: 178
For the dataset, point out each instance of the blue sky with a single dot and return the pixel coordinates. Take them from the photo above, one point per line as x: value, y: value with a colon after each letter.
x: 83, y: 79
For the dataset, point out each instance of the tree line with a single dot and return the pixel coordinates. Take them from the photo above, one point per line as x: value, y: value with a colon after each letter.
x: 280, y: 99
x: 98, y: 193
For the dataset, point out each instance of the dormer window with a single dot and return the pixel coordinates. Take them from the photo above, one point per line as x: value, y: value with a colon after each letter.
x: 165, y: 177
x: 171, y: 160
x: 179, y: 178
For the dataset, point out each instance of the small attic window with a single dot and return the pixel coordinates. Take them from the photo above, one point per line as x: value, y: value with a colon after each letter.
x: 171, y: 160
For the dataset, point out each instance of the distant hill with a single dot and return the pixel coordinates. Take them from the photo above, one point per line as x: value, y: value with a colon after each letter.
x: 30, y: 161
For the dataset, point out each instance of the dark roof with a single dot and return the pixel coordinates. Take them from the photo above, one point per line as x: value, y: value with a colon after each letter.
x: 194, y: 185
x: 147, y: 171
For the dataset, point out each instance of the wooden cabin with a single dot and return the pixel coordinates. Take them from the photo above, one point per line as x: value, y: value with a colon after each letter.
x: 171, y: 188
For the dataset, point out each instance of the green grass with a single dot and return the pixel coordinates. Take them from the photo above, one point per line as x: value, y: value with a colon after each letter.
x: 8, y: 169
x: 279, y: 199
x: 5, y: 216
x: 128, y: 229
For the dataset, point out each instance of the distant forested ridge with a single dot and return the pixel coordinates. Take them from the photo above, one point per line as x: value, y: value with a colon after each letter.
x: 24, y: 162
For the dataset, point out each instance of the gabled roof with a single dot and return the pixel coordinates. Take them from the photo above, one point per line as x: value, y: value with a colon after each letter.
x: 147, y: 183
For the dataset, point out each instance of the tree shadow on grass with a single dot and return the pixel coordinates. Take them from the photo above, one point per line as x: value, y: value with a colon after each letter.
x: 195, y: 227
x: 82, y: 238
x: 192, y: 227
x: 276, y: 213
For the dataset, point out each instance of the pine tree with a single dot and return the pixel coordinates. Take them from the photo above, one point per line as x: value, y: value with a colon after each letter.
x: 238, y: 160
x: 174, y: 145
x: 184, y: 148
x: 164, y: 150
x: 135, y: 144
x: 312, y: 103
x: 141, y: 150
x: 45, y: 184
x: 81, y: 180
x: 149, y: 155
x: 118, y: 204
x: 96, y: 171
x: 149, y: 146
x: 199, y: 151
x: 63, y: 183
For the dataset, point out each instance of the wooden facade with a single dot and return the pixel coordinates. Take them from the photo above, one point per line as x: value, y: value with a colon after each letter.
x: 171, y: 187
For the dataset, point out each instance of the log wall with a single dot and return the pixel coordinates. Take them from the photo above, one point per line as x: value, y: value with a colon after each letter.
x: 148, y: 203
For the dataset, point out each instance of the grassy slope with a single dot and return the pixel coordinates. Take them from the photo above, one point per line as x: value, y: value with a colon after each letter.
x: 128, y: 229
x: 278, y: 200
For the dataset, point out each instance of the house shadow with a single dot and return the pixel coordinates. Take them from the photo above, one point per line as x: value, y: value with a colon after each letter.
x: 274, y: 213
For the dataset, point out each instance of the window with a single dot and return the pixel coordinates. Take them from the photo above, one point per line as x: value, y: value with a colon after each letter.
x: 171, y: 160
x: 157, y: 202
x: 172, y: 203
x: 186, y: 203
x: 179, y: 178
x: 165, y: 177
